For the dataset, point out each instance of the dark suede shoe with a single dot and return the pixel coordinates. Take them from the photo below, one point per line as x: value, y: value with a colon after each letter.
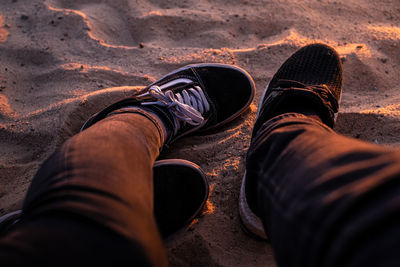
x: 309, y: 82
x: 311, y: 77
x: 199, y: 96
x: 180, y: 192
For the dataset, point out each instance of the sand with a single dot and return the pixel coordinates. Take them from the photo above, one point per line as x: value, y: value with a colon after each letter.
x: 62, y: 60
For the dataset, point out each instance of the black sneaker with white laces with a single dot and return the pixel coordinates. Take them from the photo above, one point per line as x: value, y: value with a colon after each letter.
x: 309, y: 82
x: 195, y: 97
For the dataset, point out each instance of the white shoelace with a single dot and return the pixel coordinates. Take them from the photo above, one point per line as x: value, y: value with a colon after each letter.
x: 187, y: 106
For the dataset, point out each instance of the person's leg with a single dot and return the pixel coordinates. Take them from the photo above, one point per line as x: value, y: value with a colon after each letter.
x: 96, y: 194
x: 324, y: 199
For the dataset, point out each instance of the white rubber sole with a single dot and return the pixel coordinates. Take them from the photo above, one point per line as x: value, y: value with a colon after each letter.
x: 250, y: 221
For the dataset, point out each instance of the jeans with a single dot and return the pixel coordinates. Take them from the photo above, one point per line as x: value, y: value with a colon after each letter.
x: 91, y: 202
x: 324, y: 199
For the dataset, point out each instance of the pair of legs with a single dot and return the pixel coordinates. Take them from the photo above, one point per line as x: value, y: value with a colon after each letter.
x: 92, y: 202
x: 324, y: 199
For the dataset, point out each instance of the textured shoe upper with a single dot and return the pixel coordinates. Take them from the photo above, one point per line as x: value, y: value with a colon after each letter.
x: 314, y: 74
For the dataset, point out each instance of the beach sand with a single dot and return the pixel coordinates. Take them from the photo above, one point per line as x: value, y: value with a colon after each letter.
x: 62, y: 60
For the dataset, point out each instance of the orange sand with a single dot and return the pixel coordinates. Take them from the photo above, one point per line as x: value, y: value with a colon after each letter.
x: 62, y: 60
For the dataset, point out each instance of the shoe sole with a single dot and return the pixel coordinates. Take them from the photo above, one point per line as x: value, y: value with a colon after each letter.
x: 161, y: 167
x: 250, y: 221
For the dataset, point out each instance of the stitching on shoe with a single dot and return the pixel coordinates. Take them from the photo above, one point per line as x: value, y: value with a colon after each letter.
x: 211, y: 100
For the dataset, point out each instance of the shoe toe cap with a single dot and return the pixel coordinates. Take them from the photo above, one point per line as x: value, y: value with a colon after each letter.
x: 230, y: 89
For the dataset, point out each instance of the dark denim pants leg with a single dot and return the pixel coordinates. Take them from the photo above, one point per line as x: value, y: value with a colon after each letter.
x: 91, y: 203
x: 325, y: 199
